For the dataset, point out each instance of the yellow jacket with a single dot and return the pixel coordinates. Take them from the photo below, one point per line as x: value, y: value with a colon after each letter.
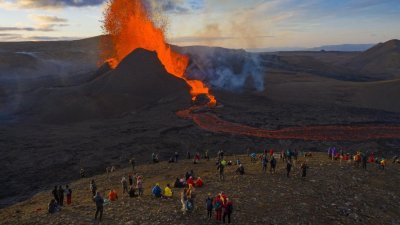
x: 167, y: 192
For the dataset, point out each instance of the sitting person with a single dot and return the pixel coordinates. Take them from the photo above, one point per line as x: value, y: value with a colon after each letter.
x: 156, y: 191
x: 171, y: 160
x: 53, y: 206
x: 230, y: 163
x: 198, y: 182
x: 168, y: 191
x: 240, y: 169
x: 190, y: 181
x: 112, y: 195
x: 131, y: 191
x: 178, y: 183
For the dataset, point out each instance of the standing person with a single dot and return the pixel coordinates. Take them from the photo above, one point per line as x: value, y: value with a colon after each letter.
x: 82, y: 173
x: 228, y: 208
x: 364, y: 161
x: 264, y: 162
x: 218, y: 208
x: 69, y: 194
x: 188, y: 155
x: 139, y: 185
x: 304, y: 168
x: 206, y: 156
x: 124, y: 183
x: 288, y: 168
x: 176, y: 156
x: 130, y: 179
x: 61, y: 195
x: 132, y: 162
x: 55, y: 194
x: 93, y: 187
x: 273, y: 164
x: 220, y: 168
x: 209, y: 205
x: 99, y: 205
x: 183, y: 200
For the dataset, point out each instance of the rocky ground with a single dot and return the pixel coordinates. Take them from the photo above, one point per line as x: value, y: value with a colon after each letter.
x: 332, y: 193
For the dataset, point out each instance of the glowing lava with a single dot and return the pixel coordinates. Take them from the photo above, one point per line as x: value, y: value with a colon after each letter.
x: 212, y: 123
x: 130, y: 27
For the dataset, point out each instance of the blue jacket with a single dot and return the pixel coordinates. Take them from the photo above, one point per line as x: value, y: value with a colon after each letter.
x: 156, y: 191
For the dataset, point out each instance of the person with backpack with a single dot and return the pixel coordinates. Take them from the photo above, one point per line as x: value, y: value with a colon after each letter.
x: 209, y: 205
x: 124, y: 183
x: 273, y: 164
x: 55, y: 194
x: 99, y: 205
x: 61, y: 196
x: 218, y: 208
x: 69, y: 194
x: 228, y: 208
x: 93, y: 187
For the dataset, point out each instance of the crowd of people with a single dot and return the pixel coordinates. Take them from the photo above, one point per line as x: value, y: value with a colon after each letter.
x: 220, y: 204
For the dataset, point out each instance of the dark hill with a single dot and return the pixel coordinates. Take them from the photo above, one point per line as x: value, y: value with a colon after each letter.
x: 382, y: 58
x: 139, y: 80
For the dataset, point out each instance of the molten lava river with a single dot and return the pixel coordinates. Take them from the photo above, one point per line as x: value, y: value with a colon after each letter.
x: 130, y: 26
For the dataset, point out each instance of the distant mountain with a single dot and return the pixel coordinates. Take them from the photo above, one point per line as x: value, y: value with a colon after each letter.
x: 343, y: 47
x: 381, y: 58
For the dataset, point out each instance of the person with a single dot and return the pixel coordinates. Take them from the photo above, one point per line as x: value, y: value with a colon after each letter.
x: 364, y: 161
x: 99, y: 205
x: 131, y: 191
x: 69, y: 194
x: 156, y: 191
x: 288, y: 168
x: 61, y: 196
x: 240, y: 169
x: 228, y: 208
x: 206, y: 156
x: 178, y: 183
x: 188, y: 155
x: 124, y: 183
x: 53, y: 206
x: 55, y: 194
x: 303, y: 168
x: 220, y: 168
x: 183, y: 200
x: 198, y: 182
x: 154, y: 157
x: 218, y: 208
x: 189, y: 204
x: 171, y: 159
x: 209, y: 205
x: 130, y: 179
x: 253, y: 157
x: 383, y: 163
x: 112, y: 195
x: 271, y: 152
x: 273, y: 164
x: 168, y: 191
x: 139, y: 185
x: 176, y: 156
x: 264, y: 162
x: 93, y: 187
x: 82, y: 173
x: 190, y: 181
x: 132, y: 162
x: 189, y: 192
x: 196, y: 158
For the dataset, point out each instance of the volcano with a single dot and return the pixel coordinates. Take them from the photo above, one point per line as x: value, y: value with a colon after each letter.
x: 139, y: 80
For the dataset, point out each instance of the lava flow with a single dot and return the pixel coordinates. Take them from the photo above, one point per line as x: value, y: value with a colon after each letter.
x: 212, y: 123
x: 130, y: 27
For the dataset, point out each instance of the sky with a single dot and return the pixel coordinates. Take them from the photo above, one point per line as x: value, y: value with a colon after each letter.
x: 227, y: 23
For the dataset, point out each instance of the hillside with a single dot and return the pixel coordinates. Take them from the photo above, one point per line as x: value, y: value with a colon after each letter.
x: 380, y: 59
x: 332, y: 193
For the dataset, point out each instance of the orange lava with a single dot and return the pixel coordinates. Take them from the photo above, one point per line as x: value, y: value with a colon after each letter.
x: 130, y: 27
x: 212, y: 123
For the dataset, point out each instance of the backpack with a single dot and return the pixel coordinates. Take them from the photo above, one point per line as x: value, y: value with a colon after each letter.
x: 217, y: 205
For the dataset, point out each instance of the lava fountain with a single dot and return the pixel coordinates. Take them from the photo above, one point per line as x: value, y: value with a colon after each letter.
x: 130, y: 27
